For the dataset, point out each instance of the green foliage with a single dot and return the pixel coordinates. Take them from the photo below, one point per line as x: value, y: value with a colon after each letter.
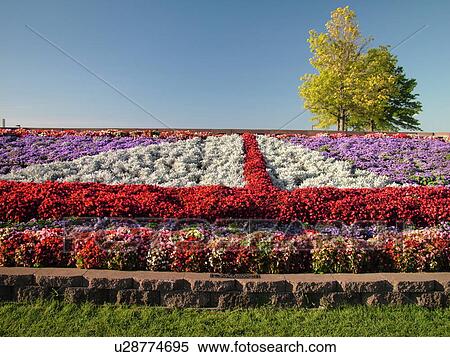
x: 340, y: 255
x: 324, y: 148
x: 356, y: 88
x: 330, y: 93
x: 402, y: 105
x: 430, y: 180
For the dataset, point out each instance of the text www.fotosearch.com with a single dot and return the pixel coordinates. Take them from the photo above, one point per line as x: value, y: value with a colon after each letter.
x: 236, y: 347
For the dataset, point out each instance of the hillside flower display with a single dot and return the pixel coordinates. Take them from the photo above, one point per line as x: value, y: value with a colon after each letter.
x: 120, y: 179
x: 104, y: 133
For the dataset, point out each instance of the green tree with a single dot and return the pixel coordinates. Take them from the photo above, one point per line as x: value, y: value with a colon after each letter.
x: 356, y: 88
x: 330, y: 93
x: 383, y: 78
x: 374, y: 86
x: 402, y: 105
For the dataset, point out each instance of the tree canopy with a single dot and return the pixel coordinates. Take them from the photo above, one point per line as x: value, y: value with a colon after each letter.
x: 356, y: 87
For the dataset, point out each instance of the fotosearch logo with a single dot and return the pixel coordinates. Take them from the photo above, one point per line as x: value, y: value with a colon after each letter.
x: 242, y: 225
x: 195, y: 231
x: 296, y: 347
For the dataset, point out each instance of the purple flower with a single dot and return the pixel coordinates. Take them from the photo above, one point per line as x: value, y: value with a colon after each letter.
x: 17, y: 152
x: 404, y: 160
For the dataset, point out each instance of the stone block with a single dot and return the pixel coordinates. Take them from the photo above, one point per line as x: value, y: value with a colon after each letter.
x: 214, y: 285
x: 279, y: 286
x: 283, y: 300
x: 400, y: 298
x: 377, y: 286
x: 411, y: 286
x: 180, y: 299
x: 6, y: 293
x: 111, y: 283
x: 129, y: 297
x: 432, y: 300
x: 61, y: 281
x: 165, y: 285
x: 316, y: 287
x: 237, y: 299
x: 332, y: 300
x: 17, y: 280
x: 151, y: 298
x: 33, y: 293
x: 93, y: 295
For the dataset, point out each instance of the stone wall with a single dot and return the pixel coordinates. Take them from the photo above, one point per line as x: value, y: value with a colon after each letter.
x: 202, y: 290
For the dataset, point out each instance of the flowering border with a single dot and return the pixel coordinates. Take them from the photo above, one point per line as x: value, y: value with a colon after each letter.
x: 192, y: 250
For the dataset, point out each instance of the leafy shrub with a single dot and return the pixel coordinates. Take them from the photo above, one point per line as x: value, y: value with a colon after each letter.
x: 420, y: 250
x: 30, y: 248
x: 228, y: 255
x: 190, y: 255
x: 341, y: 255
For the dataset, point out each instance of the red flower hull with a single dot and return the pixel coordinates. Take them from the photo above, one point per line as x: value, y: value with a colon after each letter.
x: 21, y: 201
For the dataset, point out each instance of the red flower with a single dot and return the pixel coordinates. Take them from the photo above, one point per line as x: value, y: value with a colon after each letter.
x: 21, y: 201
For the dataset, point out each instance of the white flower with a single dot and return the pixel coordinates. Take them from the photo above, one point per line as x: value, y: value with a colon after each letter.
x: 210, y: 161
x: 292, y: 166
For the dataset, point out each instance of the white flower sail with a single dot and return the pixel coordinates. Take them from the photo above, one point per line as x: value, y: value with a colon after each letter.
x: 291, y: 166
x: 215, y: 160
x: 211, y: 161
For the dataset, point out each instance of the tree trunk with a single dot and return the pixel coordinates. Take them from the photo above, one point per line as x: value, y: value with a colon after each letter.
x: 344, y: 120
x: 372, y: 125
x: 341, y: 120
x: 340, y: 126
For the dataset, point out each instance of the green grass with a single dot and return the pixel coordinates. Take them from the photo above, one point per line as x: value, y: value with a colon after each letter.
x: 58, y: 319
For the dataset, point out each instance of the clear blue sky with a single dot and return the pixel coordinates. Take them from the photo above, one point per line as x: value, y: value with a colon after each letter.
x: 197, y: 63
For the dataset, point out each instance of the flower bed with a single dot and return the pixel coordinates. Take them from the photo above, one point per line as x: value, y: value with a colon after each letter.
x: 421, y: 206
x: 258, y: 199
x: 18, y: 152
x: 293, y: 166
x: 421, y: 161
x: 309, y: 180
x: 197, y: 250
x: 210, y: 161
